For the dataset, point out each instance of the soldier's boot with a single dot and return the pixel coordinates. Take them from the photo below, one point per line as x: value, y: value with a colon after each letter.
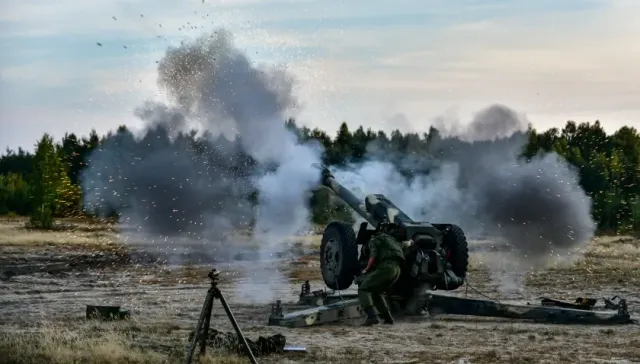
x: 387, y: 318
x: 372, y: 318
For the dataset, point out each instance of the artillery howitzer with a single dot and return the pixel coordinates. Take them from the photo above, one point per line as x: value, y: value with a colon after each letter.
x: 436, y: 254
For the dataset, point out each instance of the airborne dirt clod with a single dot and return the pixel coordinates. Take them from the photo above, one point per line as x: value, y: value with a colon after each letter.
x: 165, y: 302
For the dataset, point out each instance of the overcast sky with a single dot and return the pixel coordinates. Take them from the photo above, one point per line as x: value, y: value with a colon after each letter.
x: 389, y: 63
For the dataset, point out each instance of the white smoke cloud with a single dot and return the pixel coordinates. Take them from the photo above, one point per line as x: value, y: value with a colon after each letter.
x: 166, y: 188
x: 538, y: 208
x: 214, y: 87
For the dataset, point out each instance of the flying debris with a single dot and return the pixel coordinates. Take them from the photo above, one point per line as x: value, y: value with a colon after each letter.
x: 99, y: 44
x: 114, y: 18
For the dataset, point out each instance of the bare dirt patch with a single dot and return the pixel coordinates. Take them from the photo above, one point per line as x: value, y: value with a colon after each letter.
x: 42, y: 312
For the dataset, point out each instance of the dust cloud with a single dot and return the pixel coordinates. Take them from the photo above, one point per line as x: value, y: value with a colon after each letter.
x: 478, y: 181
x: 176, y: 194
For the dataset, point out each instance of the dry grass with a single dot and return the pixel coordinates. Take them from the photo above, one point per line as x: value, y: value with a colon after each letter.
x: 305, y: 268
x: 478, y: 341
x: 608, y: 261
x: 98, y: 235
x: 450, y: 340
x: 102, y: 343
x: 308, y: 241
x: 621, y: 248
x: 98, y: 239
x: 182, y: 275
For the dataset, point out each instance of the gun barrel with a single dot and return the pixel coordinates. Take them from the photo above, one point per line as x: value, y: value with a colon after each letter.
x: 329, y: 181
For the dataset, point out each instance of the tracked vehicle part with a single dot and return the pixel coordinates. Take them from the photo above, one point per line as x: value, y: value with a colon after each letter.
x: 339, y: 255
x: 336, y: 308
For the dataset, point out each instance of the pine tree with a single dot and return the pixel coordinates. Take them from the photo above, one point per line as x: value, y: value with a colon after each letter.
x: 48, y: 180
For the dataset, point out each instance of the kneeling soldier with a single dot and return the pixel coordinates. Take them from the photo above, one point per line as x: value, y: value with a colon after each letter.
x: 382, y: 271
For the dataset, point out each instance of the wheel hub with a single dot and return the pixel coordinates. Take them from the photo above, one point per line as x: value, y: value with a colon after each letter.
x: 332, y: 256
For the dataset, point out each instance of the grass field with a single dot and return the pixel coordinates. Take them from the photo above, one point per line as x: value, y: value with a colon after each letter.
x: 47, y: 278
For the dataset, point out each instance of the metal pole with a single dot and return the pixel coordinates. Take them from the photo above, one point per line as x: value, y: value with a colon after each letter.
x: 207, y: 323
x: 196, y: 335
x: 236, y: 327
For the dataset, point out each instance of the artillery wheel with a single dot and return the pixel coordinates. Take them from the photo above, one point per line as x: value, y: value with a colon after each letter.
x: 456, y: 249
x: 338, y: 255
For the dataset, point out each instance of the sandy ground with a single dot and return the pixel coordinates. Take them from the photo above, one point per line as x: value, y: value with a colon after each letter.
x: 47, y: 278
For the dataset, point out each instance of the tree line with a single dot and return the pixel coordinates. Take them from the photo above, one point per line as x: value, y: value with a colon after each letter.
x: 46, y: 184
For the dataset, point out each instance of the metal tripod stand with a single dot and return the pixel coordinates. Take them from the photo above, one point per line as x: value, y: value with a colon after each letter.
x: 202, y: 329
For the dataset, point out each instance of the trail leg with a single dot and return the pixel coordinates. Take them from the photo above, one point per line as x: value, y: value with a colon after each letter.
x: 196, y: 334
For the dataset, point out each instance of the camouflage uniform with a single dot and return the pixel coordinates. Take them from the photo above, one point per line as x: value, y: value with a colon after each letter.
x: 388, y: 257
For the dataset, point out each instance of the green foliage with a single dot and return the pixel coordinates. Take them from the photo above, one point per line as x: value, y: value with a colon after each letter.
x: 325, y: 207
x: 46, y: 184
x: 14, y: 195
x: 635, y: 214
x: 609, y: 169
x: 52, y: 191
x: 20, y: 163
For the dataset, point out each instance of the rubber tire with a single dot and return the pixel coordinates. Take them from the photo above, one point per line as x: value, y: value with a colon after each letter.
x: 347, y: 250
x: 455, y: 242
